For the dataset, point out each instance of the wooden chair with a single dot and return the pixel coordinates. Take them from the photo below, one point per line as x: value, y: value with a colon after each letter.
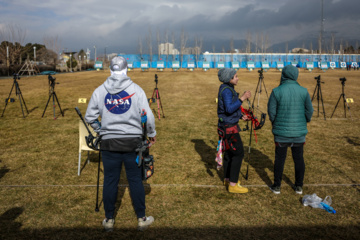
x: 82, y: 143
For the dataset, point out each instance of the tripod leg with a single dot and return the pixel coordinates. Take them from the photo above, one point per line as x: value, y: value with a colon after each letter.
x: 322, y: 103
x: 247, y: 167
x: 157, y: 101
x: 314, y: 93
x: 152, y: 97
x: 255, y: 94
x: 344, y: 105
x: 19, y: 92
x: 336, y: 106
x: 265, y: 89
x: 161, y: 105
x: 318, y: 98
x: 53, y: 98
x: 6, y: 103
x: 21, y: 105
x: 97, y: 186
x: 57, y: 100
x: 46, y: 106
x: 258, y: 103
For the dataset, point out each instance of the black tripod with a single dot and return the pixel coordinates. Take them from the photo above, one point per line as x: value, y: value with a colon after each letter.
x: 17, y: 92
x: 53, y: 95
x: 258, y: 88
x: 92, y: 142
x: 158, y: 100
x: 344, y: 98
x: 319, y: 95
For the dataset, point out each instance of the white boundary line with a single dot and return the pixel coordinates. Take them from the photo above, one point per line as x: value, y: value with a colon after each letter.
x: 177, y: 185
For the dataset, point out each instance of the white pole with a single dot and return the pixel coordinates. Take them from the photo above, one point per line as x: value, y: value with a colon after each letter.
x: 7, y: 55
x: 95, y: 54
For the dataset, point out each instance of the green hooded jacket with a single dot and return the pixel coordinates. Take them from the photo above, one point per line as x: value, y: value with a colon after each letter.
x: 290, y: 108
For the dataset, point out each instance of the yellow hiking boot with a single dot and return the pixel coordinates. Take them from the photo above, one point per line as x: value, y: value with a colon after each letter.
x: 237, y: 188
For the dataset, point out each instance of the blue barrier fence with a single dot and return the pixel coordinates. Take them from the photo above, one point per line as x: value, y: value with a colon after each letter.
x: 241, y: 60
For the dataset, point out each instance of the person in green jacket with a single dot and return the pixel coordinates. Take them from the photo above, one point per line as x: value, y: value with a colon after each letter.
x: 289, y: 109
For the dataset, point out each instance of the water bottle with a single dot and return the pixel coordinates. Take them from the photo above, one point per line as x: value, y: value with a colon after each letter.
x: 328, y: 208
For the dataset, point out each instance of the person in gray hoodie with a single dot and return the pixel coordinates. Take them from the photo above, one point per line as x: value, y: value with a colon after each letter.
x: 119, y: 103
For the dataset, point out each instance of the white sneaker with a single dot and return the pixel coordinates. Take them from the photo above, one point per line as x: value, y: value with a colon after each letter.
x: 108, y: 224
x: 144, y: 223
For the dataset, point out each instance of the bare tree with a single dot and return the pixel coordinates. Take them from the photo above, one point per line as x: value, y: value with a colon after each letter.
x: 140, y: 47
x: 173, y: 42
x: 158, y: 42
x: 198, y: 47
x: 248, y: 40
x: 12, y: 38
x: 183, y: 41
x: 262, y: 42
x: 213, y: 47
x: 149, y: 43
x: 200, y: 42
x: 257, y: 43
x: 332, y: 42
x: 267, y: 42
x: 232, y: 48
x: 52, y: 45
x: 166, y: 38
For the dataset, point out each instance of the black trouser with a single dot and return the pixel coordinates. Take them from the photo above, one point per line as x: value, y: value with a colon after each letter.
x: 112, y: 162
x: 297, y: 150
x: 233, y: 157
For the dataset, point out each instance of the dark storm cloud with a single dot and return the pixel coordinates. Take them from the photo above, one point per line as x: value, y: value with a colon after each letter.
x: 108, y: 23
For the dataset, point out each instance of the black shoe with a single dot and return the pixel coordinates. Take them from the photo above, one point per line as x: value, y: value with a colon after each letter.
x: 298, y: 189
x: 275, y: 189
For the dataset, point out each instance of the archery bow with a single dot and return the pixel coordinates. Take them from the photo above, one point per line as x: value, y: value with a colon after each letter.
x: 255, y: 125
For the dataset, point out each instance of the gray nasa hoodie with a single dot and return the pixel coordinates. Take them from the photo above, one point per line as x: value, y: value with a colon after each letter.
x: 119, y: 102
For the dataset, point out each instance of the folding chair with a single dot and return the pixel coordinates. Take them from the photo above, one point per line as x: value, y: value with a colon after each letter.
x: 82, y: 143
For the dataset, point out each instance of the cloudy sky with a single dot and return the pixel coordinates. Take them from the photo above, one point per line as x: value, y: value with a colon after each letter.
x: 118, y: 25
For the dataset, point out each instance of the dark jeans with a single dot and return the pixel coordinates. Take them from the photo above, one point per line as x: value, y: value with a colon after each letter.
x: 233, y: 157
x: 112, y: 162
x: 297, y: 150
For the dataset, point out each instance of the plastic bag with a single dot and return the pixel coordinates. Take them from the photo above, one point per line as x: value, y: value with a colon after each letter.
x: 317, y: 202
x: 312, y: 200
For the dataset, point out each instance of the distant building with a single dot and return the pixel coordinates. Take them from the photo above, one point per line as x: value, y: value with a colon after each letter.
x: 167, y: 48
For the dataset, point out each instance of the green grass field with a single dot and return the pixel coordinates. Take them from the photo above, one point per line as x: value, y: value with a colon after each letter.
x: 42, y: 197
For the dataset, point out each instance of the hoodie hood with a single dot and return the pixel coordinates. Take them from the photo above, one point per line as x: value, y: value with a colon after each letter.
x: 289, y: 73
x: 117, y: 83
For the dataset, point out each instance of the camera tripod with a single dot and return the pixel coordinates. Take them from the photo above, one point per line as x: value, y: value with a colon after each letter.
x: 258, y: 88
x: 17, y: 92
x: 158, y: 100
x: 53, y: 95
x: 319, y: 95
x: 342, y: 95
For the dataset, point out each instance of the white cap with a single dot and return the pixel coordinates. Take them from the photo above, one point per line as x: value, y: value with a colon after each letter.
x: 118, y: 64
